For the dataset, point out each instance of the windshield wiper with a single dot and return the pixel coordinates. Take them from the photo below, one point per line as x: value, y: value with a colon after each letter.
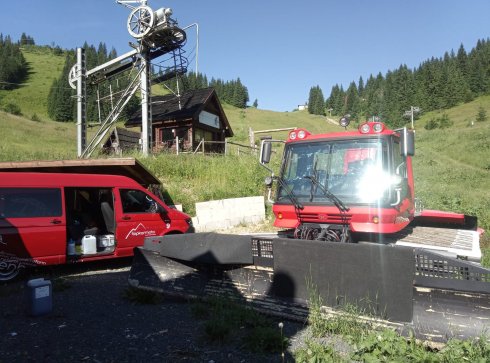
x: 313, y: 185
x: 338, y: 203
x: 289, y: 193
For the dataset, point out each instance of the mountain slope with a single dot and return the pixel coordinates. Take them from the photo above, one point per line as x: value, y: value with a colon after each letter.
x: 451, y: 166
x: 31, y: 97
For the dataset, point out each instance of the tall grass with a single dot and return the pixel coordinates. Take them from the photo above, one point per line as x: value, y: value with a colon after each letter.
x: 196, y: 178
x: 365, y: 343
x: 226, y: 320
x: 452, y: 166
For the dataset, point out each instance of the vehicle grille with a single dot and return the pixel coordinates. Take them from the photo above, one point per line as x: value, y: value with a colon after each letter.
x: 333, y: 218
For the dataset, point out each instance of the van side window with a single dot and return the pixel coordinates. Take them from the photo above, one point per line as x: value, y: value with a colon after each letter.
x: 136, y: 201
x: 30, y: 202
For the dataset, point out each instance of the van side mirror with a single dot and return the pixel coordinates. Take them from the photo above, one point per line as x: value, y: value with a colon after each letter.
x: 407, y: 142
x: 265, y: 152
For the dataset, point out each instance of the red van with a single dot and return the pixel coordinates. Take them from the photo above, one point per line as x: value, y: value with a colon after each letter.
x: 55, y: 218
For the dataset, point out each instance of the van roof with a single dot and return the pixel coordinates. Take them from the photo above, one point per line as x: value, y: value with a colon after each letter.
x: 33, y: 179
x: 129, y: 167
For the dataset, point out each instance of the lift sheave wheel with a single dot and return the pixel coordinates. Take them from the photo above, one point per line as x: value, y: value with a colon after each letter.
x: 140, y: 21
x: 73, y: 76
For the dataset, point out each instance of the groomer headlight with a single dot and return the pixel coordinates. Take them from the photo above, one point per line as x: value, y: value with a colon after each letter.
x: 364, y: 129
x: 378, y: 127
x: 344, y: 121
x: 292, y: 135
x: 301, y: 134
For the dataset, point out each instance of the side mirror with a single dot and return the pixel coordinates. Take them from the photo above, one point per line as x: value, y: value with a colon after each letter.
x: 265, y: 152
x: 407, y: 142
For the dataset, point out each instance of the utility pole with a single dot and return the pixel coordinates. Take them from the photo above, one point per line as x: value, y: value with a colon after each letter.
x: 411, y: 112
x: 80, y: 74
x: 146, y: 117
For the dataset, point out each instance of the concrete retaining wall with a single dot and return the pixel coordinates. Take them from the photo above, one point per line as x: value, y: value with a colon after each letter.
x: 227, y: 213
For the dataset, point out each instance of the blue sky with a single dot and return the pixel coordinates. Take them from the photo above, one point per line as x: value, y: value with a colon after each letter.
x: 279, y: 49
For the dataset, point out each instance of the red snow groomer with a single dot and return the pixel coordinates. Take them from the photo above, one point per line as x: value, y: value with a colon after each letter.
x: 352, y: 232
x: 358, y: 186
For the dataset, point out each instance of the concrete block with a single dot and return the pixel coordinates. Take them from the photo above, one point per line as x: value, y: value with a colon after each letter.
x: 227, y: 213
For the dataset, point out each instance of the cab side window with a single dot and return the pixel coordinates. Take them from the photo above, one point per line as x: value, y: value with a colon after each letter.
x: 30, y: 202
x: 399, y: 162
x: 136, y: 201
x: 400, y: 168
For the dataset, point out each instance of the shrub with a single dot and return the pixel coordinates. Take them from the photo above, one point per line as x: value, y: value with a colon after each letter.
x: 431, y: 124
x: 57, y: 50
x: 13, y: 109
x: 481, y: 115
x: 445, y: 122
x: 225, y: 320
x: 442, y: 122
x: 265, y: 339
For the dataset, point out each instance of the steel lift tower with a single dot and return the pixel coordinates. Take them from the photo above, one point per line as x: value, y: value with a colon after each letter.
x: 156, y: 34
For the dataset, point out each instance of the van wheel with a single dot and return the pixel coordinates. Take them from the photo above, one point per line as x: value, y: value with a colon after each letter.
x: 9, y: 271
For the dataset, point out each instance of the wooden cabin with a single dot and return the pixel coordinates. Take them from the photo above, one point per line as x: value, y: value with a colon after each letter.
x: 121, y: 140
x: 193, y: 117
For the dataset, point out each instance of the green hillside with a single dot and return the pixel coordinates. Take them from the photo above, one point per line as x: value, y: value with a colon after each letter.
x: 31, y: 98
x: 451, y: 166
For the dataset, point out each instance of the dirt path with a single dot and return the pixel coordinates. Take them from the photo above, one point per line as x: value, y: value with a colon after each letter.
x: 93, y: 321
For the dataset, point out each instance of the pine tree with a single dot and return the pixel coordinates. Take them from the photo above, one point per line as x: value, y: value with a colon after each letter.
x: 374, y: 94
x: 61, y: 106
x: 360, y: 87
x: 23, y: 39
x: 435, y: 84
x: 456, y: 89
x: 13, y: 66
x: 339, y: 104
x: 352, y: 101
x: 312, y: 100
x: 316, y: 102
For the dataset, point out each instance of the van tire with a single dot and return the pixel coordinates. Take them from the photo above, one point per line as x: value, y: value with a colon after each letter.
x: 9, y: 274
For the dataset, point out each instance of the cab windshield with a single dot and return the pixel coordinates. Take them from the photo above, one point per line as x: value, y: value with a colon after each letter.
x: 355, y: 171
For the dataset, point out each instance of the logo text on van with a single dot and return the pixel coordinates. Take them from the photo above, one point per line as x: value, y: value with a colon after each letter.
x: 141, y: 230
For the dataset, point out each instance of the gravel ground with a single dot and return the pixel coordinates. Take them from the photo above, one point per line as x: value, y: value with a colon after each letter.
x: 93, y: 321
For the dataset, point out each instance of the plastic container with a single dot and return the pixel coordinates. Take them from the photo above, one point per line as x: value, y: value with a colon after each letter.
x: 89, y: 245
x: 106, y: 240
x: 71, y: 248
x: 39, y: 297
